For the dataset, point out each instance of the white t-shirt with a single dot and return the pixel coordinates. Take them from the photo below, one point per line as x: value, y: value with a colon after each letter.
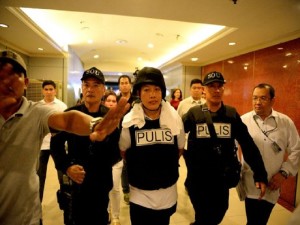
x: 59, y: 106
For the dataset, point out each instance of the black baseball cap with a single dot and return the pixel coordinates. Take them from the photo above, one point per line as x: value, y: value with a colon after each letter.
x: 213, y: 77
x: 15, y: 59
x: 93, y: 72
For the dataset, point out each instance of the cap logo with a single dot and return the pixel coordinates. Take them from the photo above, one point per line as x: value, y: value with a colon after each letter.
x: 213, y: 75
x: 9, y: 54
x: 93, y: 72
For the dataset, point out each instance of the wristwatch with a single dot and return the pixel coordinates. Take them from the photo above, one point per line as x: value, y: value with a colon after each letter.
x: 283, y: 173
x: 94, y: 122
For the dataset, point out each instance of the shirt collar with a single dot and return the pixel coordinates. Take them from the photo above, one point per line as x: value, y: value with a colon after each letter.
x: 22, y: 109
x: 195, y: 101
x: 53, y: 102
x: 273, y: 114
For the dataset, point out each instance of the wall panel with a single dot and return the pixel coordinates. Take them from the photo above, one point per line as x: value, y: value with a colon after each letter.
x: 277, y: 65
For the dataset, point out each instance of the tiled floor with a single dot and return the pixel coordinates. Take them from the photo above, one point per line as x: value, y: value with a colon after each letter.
x: 52, y: 215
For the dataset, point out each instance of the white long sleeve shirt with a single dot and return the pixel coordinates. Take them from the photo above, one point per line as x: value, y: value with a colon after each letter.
x: 165, y: 197
x: 281, y: 129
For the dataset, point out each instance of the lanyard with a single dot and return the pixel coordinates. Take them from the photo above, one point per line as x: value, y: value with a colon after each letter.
x: 266, y: 133
x: 275, y: 146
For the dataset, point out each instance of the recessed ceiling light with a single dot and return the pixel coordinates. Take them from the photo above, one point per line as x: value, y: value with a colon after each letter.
x: 231, y: 43
x: 40, y: 49
x: 230, y: 61
x: 3, y: 25
x: 96, y: 56
x: 139, y: 58
x: 288, y: 54
x: 90, y: 41
x: 194, y: 59
x: 280, y: 48
x: 150, y: 45
x: 121, y: 42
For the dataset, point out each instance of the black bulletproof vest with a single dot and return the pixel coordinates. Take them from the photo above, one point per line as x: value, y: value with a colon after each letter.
x: 152, y: 160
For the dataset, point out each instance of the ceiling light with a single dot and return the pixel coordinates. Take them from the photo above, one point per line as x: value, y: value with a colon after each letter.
x: 140, y: 59
x: 231, y: 43
x: 90, y: 41
x: 230, y: 61
x: 280, y: 48
x: 96, y: 56
x: 194, y: 59
x: 159, y: 34
x: 3, y: 25
x: 288, y: 54
x: 40, y: 49
x: 121, y: 42
x: 150, y: 45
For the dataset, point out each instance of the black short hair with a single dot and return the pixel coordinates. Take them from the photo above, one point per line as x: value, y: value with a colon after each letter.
x: 49, y: 82
x: 195, y: 81
x: 124, y: 76
x: 268, y: 87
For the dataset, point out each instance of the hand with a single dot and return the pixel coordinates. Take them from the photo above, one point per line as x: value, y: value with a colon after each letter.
x: 110, y: 121
x: 76, y: 173
x: 262, y: 186
x: 276, y: 181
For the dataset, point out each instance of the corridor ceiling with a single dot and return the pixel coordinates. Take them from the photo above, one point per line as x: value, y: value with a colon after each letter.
x: 121, y: 30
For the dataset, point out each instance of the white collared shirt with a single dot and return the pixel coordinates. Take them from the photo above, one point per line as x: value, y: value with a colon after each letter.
x: 188, y: 103
x: 279, y: 128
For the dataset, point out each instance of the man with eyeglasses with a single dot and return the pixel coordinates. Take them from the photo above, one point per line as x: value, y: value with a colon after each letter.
x: 210, y: 159
x: 278, y: 141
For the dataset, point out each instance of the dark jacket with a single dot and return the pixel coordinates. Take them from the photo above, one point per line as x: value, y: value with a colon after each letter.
x: 97, y: 158
x: 201, y: 151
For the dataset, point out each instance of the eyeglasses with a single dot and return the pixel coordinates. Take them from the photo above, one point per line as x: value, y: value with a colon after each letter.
x: 261, y: 99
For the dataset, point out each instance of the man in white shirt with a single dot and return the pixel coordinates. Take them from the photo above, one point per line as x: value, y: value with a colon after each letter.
x: 196, y: 90
x: 49, y: 93
x: 277, y: 138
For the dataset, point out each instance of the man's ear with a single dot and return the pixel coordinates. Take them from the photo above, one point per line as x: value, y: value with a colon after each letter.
x: 273, y: 100
x: 26, y: 81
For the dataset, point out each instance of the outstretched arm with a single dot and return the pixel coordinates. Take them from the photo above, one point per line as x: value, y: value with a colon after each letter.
x: 79, y: 123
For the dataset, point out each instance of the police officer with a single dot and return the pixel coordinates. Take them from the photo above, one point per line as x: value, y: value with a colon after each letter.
x: 88, y: 164
x: 152, y: 139
x: 208, y: 183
